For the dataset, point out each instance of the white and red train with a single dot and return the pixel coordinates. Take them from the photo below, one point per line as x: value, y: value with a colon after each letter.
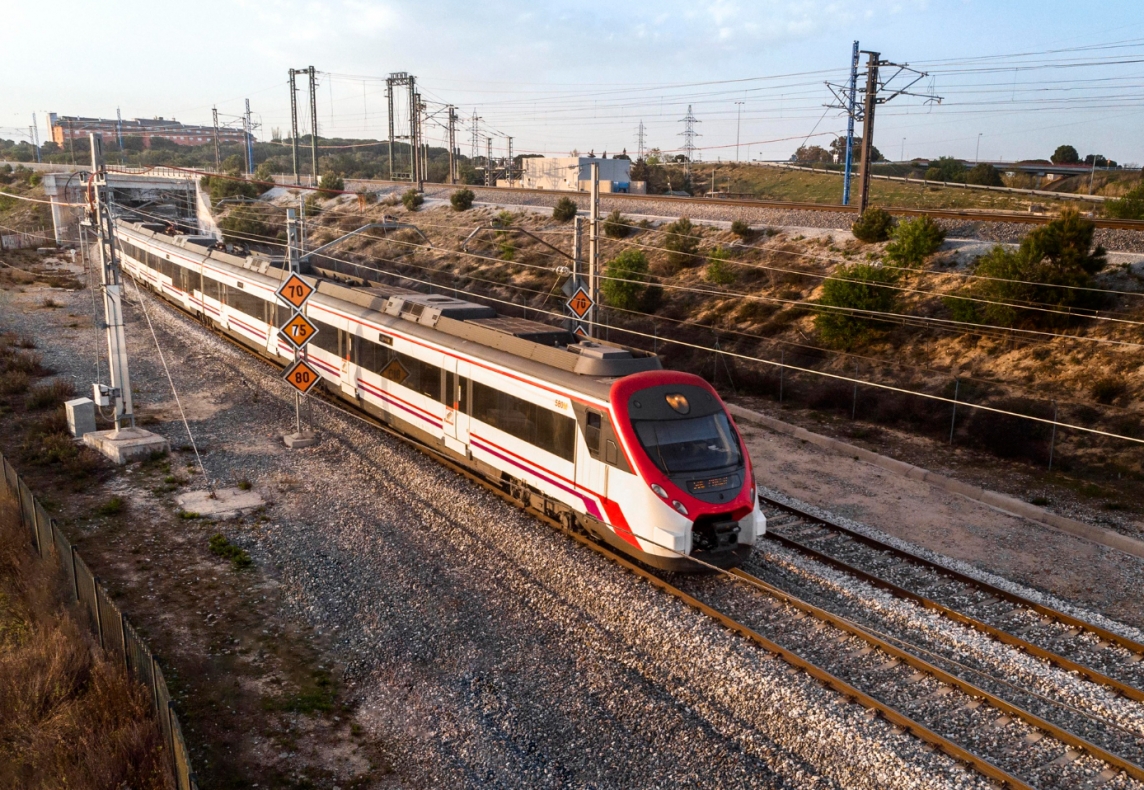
x: 594, y: 434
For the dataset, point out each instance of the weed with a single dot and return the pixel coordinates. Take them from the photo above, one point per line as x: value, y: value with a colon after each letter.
x: 1108, y: 389
x: 111, y: 507
x: 238, y: 557
x: 49, y: 302
x: 617, y: 226
x: 412, y: 199
x: 873, y: 226
x: 49, y: 394
x: 244, y: 485
x: 462, y: 199
x: 14, y: 382
x: 188, y: 515
x: 1039, y: 501
x: 564, y: 210
x: 318, y: 698
x: 742, y: 230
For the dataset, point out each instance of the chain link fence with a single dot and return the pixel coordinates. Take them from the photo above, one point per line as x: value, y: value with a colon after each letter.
x: 118, y: 638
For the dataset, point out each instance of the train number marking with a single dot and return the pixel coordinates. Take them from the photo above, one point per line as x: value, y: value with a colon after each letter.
x: 298, y: 331
x: 295, y: 291
x: 301, y: 376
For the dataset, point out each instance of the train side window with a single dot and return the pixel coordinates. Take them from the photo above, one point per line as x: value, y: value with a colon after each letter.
x: 463, y: 388
x: 611, y: 453
x: 592, y: 433
x: 450, y: 399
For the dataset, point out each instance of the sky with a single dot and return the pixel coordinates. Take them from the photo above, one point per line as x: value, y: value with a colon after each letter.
x: 1016, y: 78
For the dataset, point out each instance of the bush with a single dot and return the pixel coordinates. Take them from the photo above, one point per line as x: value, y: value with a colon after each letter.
x: 1131, y: 206
x: 49, y: 395
x: 265, y: 172
x: 720, y: 271
x: 742, y: 229
x: 330, y: 185
x: 617, y: 226
x: 249, y: 223
x: 238, y: 557
x: 946, y: 168
x: 14, y: 382
x: 504, y: 219
x: 859, y: 286
x: 111, y: 507
x: 462, y: 199
x: 873, y: 226
x: 914, y: 240
x: 219, y: 187
x: 624, y: 278
x: 565, y: 210
x: 412, y: 199
x: 985, y: 175
x: 1108, y: 389
x: 681, y: 243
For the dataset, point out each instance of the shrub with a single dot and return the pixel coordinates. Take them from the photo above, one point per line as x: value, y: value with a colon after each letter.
x: 873, y: 226
x: 219, y: 187
x: 984, y: 174
x: 914, y: 240
x: 49, y: 394
x: 238, y: 557
x: 1108, y: 389
x: 624, y: 278
x: 720, y: 271
x: 111, y: 507
x: 617, y: 226
x: 946, y: 168
x: 330, y: 185
x: 858, y: 286
x: 265, y: 172
x: 412, y: 199
x: 1130, y: 206
x: 14, y: 382
x: 462, y: 199
x: 504, y: 218
x: 682, y: 244
x: 249, y: 223
x: 742, y: 229
x: 565, y: 210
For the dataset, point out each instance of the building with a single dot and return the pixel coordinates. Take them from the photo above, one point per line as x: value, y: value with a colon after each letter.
x: 574, y: 174
x: 66, y: 128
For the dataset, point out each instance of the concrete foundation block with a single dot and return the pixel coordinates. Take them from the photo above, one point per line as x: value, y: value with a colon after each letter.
x: 127, y: 444
x: 296, y: 441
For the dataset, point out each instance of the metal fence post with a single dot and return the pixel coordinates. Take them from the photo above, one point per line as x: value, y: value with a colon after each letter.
x: 75, y: 574
x: 97, y: 607
x: 123, y: 641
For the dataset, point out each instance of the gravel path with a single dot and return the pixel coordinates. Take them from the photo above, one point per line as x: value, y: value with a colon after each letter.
x: 484, y: 648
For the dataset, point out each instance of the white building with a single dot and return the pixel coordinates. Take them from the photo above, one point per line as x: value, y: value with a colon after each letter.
x: 574, y: 173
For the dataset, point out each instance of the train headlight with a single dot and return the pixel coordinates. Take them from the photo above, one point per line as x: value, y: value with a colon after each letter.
x: 658, y: 489
x: 682, y: 508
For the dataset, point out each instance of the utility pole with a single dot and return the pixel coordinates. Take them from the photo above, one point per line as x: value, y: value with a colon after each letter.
x: 36, y: 136
x: 508, y: 167
x: 246, y: 152
x: 422, y: 149
x: 389, y: 100
x: 476, y: 137
x: 689, y: 135
x: 313, y: 126
x: 738, y: 126
x: 217, y: 152
x: 850, y: 126
x: 119, y: 130
x: 294, y: 124
x: 594, y: 250
x: 872, y: 63
x: 452, y: 144
x: 414, y: 154
x: 640, y: 140
x: 248, y: 143
x: 489, y: 162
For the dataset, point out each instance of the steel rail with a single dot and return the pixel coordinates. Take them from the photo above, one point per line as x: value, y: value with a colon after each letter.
x: 889, y: 713
x: 998, y: 592
x: 920, y: 664
x: 999, y: 634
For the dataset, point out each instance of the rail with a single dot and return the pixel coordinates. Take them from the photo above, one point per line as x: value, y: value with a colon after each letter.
x: 116, y: 635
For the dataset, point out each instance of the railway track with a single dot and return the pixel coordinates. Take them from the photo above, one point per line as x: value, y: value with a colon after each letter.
x: 995, y: 737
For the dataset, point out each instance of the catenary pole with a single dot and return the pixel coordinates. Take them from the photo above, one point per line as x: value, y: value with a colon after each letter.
x: 313, y: 126
x: 594, y: 249
x: 294, y: 124
x: 868, y: 130
x: 850, y: 126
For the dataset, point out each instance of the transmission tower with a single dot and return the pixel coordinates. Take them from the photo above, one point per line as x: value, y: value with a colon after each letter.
x: 640, y: 142
x: 476, y: 136
x: 847, y: 99
x: 689, y: 134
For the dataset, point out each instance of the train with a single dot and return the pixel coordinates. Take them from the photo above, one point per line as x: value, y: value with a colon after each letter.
x: 596, y: 435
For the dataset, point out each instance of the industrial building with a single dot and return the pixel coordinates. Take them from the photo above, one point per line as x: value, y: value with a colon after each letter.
x: 574, y: 174
x: 69, y: 127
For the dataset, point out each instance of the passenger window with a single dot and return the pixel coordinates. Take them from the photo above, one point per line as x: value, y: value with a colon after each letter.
x: 592, y: 433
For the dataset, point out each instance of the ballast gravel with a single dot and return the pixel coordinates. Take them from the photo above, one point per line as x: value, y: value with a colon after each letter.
x: 483, y: 648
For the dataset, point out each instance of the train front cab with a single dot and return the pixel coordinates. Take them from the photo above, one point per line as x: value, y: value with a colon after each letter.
x: 694, y: 489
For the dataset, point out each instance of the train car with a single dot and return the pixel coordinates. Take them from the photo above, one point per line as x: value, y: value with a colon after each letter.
x: 594, y: 434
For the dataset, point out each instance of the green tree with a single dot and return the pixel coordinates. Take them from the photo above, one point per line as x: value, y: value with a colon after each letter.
x: 914, y: 240
x: 854, y: 287
x: 412, y: 199
x: 720, y: 270
x: 462, y: 200
x: 1065, y: 155
x: 946, y: 168
x: 246, y: 223
x: 681, y: 240
x: 984, y: 174
x: 624, y: 278
x: 838, y: 148
x: 331, y: 184
x: 265, y: 171
x: 742, y: 229
x: 1130, y: 206
x: 219, y: 187
x: 564, y: 210
x: 873, y: 226
x: 812, y: 154
x: 617, y: 226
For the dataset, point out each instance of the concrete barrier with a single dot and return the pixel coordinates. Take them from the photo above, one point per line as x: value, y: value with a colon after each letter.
x: 994, y: 499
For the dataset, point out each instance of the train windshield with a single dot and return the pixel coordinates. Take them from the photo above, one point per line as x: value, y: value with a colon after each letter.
x: 698, y: 444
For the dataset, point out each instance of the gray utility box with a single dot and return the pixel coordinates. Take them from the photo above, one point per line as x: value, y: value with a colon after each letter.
x: 81, y: 416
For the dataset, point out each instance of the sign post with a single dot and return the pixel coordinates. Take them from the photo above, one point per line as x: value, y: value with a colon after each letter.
x: 298, y: 331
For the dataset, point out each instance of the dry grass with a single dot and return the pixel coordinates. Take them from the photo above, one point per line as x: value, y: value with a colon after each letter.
x: 68, y: 717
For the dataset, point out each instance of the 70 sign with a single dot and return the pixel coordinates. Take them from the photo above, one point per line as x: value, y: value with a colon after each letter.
x: 295, y: 291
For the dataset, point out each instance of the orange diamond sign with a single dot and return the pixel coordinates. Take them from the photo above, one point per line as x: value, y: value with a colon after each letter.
x: 298, y: 330
x: 302, y: 377
x: 580, y: 303
x: 295, y: 291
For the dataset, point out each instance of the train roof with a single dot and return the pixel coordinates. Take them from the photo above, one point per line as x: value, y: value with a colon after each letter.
x: 534, y: 348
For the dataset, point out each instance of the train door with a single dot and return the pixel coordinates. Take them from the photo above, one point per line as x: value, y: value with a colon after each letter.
x: 457, y: 385
x: 591, y: 472
x: 350, y: 368
x: 271, y: 311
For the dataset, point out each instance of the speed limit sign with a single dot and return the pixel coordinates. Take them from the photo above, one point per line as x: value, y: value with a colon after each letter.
x: 301, y: 376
